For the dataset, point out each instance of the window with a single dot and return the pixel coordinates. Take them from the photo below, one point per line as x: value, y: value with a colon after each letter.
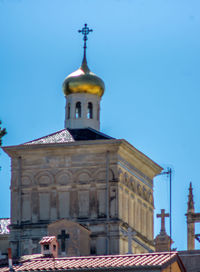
x: 46, y: 247
x: 90, y: 111
x: 78, y: 110
x: 68, y: 111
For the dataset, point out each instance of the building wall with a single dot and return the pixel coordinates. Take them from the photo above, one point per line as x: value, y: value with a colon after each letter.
x: 136, y: 207
x: 174, y: 268
x: 78, y: 241
x: 191, y: 260
x: 4, y: 244
x: 69, y: 181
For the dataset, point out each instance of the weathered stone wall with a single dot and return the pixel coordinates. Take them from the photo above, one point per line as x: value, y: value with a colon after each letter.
x: 4, y: 244
x: 51, y: 182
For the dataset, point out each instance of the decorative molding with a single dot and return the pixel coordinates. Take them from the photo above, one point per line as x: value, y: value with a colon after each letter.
x: 83, y: 176
x: 44, y: 178
x: 100, y: 174
x: 135, y: 186
x: 129, y: 168
x: 64, y: 177
x: 27, y: 180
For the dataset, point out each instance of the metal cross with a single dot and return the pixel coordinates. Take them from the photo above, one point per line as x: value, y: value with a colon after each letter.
x: 85, y: 31
x: 63, y: 236
x: 163, y: 215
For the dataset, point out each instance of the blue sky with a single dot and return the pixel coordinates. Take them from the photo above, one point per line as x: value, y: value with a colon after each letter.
x: 147, y: 53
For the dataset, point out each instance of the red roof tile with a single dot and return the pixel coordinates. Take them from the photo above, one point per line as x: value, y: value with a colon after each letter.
x: 95, y: 262
x: 47, y: 239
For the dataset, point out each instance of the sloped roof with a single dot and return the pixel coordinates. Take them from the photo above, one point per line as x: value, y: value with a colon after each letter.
x: 62, y: 136
x: 70, y: 135
x: 47, y: 239
x: 134, y: 261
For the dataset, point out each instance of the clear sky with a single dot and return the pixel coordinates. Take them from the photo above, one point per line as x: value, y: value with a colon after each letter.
x: 147, y: 53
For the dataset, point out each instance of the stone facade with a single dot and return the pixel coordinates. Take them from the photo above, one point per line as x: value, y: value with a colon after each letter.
x: 106, y: 185
x: 4, y: 244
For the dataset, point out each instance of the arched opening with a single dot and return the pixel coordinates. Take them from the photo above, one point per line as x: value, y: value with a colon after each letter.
x: 90, y: 111
x: 68, y: 111
x: 78, y: 110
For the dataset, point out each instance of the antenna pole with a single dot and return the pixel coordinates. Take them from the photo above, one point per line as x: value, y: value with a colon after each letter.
x: 169, y: 173
x: 170, y: 208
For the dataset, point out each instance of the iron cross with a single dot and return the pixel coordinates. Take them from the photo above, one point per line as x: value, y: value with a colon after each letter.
x: 85, y: 31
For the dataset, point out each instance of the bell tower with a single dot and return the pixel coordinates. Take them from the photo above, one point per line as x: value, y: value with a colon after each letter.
x: 83, y: 91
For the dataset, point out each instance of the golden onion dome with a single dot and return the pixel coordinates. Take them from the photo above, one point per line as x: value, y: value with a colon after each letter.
x: 83, y: 81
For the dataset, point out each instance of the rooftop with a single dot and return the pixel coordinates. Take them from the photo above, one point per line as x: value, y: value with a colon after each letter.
x: 47, y: 239
x: 134, y: 261
x: 71, y: 135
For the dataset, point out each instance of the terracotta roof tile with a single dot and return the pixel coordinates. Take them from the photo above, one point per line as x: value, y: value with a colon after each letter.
x: 47, y: 239
x: 94, y: 262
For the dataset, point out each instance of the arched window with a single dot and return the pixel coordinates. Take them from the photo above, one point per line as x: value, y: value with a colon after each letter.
x: 78, y: 110
x: 68, y: 111
x: 90, y: 111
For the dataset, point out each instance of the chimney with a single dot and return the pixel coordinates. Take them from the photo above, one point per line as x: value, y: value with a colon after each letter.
x: 10, y: 260
x: 49, y: 246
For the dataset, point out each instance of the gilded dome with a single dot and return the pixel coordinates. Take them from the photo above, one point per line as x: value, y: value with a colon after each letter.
x: 83, y: 81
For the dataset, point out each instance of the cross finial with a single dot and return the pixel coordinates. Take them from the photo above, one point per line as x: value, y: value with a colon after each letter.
x: 163, y: 215
x: 85, y: 31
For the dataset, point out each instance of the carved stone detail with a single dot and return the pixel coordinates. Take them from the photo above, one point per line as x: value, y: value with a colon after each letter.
x: 63, y: 177
x: 135, y: 186
x: 44, y: 178
x: 27, y: 180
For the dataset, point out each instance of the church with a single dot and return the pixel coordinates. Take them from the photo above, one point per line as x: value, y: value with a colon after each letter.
x: 90, y: 190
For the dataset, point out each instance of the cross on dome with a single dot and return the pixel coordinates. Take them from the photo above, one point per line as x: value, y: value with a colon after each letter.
x: 83, y: 90
x: 85, y: 31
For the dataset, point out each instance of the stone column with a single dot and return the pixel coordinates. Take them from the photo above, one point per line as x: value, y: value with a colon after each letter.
x: 190, y: 232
